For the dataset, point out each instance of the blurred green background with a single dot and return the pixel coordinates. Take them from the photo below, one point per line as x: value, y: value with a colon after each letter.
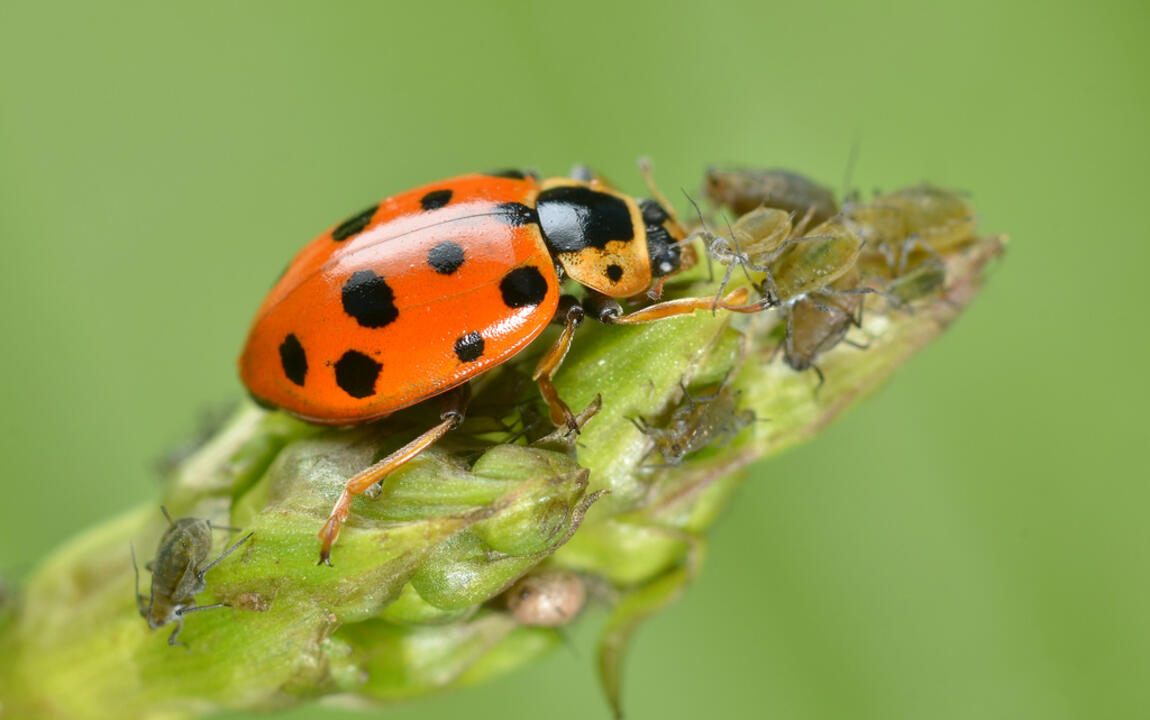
x: 971, y: 542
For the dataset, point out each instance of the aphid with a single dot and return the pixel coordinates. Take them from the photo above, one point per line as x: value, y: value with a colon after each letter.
x: 925, y: 278
x: 547, y: 599
x: 819, y: 321
x: 754, y: 241
x: 696, y: 423
x: 821, y: 257
x: 744, y: 190
x: 178, y: 572
x: 931, y: 219
x: 416, y: 295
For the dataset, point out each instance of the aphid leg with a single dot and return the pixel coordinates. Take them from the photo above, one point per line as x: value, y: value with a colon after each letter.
x: 180, y: 620
x: 822, y: 378
x: 228, y: 528
x: 203, y: 571
x: 907, y: 248
x: 136, y: 569
x: 647, y: 430
x: 801, y: 227
x: 789, y: 339
x: 550, y: 362
x: 176, y: 633
x: 454, y: 402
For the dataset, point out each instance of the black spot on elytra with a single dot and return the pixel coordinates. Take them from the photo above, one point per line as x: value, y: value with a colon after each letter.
x: 469, y: 347
x: 516, y: 214
x: 354, y: 225
x: 435, y: 199
x: 293, y: 360
x: 574, y: 218
x: 369, y: 299
x: 356, y: 374
x: 446, y: 257
x: 614, y: 272
x: 523, y: 287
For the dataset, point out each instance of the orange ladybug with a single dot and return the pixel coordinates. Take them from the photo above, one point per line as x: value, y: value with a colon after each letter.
x: 414, y: 296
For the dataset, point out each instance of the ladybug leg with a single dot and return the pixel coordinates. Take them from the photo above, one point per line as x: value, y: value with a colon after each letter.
x: 454, y: 402
x: 610, y: 312
x: 549, y: 363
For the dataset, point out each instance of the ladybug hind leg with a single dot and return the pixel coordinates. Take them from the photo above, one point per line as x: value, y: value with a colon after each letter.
x: 454, y: 406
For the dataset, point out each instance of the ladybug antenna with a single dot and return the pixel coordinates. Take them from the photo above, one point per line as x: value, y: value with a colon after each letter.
x: 705, y: 233
x: 645, y: 168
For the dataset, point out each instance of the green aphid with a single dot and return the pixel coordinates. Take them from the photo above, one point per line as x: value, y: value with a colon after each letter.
x: 754, y: 241
x: 814, y: 261
x: 923, y: 280
x: 924, y: 220
x: 178, y: 572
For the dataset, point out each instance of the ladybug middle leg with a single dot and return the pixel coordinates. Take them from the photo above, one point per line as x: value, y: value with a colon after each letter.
x: 549, y: 363
x: 454, y: 406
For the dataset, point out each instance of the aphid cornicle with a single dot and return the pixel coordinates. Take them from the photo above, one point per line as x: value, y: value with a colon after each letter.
x: 178, y: 572
x: 416, y: 295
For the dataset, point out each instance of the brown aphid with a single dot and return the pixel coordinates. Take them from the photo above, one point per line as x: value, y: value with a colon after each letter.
x: 743, y: 190
x: 547, y: 599
x: 178, y: 572
x: 819, y: 321
x: 696, y: 423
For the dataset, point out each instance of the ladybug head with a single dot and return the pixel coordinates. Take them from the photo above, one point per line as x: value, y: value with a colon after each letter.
x: 663, y: 238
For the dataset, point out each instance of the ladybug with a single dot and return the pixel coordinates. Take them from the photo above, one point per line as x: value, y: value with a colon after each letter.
x: 412, y: 297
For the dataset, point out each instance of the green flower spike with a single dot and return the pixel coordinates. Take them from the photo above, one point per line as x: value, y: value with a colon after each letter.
x: 419, y: 599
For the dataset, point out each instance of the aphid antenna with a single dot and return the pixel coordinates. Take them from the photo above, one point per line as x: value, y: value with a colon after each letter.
x: 224, y: 554
x: 164, y: 510
x: 136, y: 570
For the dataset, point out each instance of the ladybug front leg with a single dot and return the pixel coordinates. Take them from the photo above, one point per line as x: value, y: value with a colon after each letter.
x: 610, y: 312
x: 454, y: 405
x: 549, y: 363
